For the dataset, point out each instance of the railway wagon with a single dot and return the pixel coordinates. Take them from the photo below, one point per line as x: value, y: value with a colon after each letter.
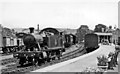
x: 8, y: 41
x: 10, y: 44
x: 40, y: 48
x: 91, y: 42
x: 70, y: 39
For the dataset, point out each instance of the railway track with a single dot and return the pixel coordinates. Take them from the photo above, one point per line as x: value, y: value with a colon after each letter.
x: 12, y: 60
x: 13, y: 69
x: 9, y: 60
x: 3, y: 54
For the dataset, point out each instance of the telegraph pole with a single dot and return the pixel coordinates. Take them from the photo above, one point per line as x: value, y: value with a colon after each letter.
x: 1, y: 38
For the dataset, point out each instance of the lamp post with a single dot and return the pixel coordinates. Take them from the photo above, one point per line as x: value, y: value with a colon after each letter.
x: 116, y: 36
x: 1, y: 38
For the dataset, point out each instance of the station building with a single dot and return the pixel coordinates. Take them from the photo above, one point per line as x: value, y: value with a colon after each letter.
x: 104, y: 37
x: 110, y: 37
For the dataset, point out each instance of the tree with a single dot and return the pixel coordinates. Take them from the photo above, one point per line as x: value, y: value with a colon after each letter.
x: 82, y: 31
x: 100, y: 28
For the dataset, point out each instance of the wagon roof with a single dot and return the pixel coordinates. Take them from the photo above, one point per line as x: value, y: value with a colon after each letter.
x: 49, y: 29
x: 57, y: 30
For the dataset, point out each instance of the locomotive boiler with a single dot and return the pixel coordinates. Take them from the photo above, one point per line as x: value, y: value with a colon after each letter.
x: 45, y: 46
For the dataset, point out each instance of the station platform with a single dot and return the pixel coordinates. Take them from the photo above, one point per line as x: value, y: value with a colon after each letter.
x: 2, y: 58
x: 80, y: 63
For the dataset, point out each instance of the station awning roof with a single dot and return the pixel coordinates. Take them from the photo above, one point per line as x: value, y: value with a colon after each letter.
x: 105, y: 34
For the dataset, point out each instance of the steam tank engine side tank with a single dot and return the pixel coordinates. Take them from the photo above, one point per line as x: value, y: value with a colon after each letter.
x: 91, y: 42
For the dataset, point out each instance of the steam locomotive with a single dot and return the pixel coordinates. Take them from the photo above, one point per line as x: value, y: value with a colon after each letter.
x: 45, y: 46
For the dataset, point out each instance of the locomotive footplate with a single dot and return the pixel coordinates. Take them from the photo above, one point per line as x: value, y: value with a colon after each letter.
x: 25, y: 57
x: 28, y: 54
x: 36, y: 57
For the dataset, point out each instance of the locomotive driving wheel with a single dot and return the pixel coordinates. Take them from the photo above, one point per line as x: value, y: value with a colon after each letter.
x: 37, y: 58
x: 22, y: 61
x: 59, y: 57
x: 58, y: 54
x: 34, y: 62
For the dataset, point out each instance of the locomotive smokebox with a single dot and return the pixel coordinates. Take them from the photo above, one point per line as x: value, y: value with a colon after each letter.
x: 31, y: 29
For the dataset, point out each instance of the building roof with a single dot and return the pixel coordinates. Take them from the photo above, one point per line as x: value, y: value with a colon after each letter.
x: 103, y: 33
x: 49, y: 29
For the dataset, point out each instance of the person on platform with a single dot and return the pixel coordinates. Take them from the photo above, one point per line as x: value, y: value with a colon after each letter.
x: 115, y: 58
x: 110, y: 60
x: 117, y: 50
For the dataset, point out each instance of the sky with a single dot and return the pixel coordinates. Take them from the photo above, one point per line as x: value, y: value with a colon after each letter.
x: 58, y: 13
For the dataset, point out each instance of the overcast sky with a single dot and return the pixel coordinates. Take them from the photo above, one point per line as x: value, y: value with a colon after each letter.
x: 58, y: 13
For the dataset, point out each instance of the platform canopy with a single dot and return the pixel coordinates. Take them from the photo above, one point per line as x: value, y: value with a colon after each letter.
x: 105, y: 34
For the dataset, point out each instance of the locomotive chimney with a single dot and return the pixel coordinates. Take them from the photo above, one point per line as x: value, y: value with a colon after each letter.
x: 31, y: 29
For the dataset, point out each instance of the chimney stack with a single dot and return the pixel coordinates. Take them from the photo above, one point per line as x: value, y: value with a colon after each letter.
x: 31, y: 29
